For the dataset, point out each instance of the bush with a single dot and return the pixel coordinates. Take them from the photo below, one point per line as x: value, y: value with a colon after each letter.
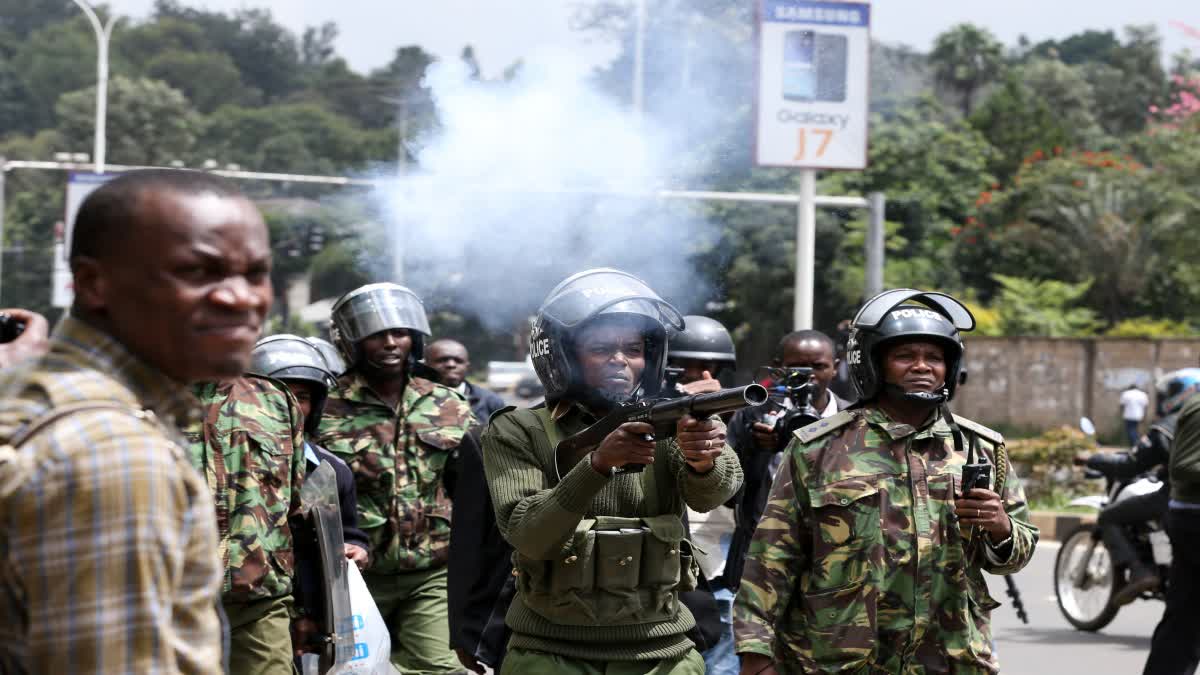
x: 1045, y: 464
x: 1148, y: 327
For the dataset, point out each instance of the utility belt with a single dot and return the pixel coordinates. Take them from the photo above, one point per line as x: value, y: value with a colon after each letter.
x: 615, y: 571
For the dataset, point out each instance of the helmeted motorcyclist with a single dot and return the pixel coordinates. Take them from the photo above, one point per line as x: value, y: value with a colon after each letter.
x: 1153, y: 449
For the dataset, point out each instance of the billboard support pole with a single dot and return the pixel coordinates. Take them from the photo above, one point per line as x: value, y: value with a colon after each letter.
x: 806, y: 254
x: 876, y: 241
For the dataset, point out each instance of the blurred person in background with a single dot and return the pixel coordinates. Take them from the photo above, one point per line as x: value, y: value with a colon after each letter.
x: 451, y: 360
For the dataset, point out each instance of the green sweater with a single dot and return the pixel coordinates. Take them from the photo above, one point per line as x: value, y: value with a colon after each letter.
x: 537, y: 514
x: 1185, y: 454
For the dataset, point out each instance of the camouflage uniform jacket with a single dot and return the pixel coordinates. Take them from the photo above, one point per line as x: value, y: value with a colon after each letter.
x: 399, y: 459
x: 859, y: 564
x: 250, y: 449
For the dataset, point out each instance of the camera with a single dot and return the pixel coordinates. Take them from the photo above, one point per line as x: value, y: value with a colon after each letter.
x: 10, y: 328
x: 790, y: 404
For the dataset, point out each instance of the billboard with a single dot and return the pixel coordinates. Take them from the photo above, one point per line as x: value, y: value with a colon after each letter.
x: 813, y: 62
x: 79, y: 186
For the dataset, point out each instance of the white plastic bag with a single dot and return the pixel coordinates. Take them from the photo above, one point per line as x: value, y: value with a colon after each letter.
x: 372, y: 646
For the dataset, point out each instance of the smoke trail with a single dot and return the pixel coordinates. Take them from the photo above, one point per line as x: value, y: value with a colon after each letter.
x: 506, y: 204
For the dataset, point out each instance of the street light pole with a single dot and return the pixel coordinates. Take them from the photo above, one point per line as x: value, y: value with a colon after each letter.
x: 103, y: 33
x: 639, y: 61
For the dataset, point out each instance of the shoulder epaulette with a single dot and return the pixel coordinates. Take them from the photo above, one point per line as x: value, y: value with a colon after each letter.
x: 822, y: 427
x: 978, y: 429
x: 506, y: 409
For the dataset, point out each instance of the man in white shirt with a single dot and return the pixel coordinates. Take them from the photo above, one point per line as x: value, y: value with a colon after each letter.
x: 1134, y: 402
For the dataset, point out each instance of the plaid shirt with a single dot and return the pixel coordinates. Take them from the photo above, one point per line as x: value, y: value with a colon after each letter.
x: 108, y: 546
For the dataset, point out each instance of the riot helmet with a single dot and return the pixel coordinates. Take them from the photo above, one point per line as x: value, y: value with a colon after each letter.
x: 372, y: 309
x: 1174, y: 389
x: 894, y: 316
x: 587, y: 296
x: 333, y: 359
x: 290, y: 357
x: 702, y: 339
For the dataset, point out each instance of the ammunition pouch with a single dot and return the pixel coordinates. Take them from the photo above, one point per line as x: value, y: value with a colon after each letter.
x: 613, y: 571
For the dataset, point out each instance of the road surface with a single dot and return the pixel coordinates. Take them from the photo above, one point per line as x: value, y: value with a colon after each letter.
x: 1051, y: 646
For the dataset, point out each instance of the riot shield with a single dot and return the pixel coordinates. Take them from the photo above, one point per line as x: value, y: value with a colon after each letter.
x: 319, y: 501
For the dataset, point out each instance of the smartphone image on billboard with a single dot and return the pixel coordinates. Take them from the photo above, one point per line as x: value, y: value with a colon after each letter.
x: 814, y: 66
x: 799, y: 67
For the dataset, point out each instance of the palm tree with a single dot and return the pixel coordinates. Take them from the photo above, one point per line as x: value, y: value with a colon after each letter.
x: 965, y: 58
x: 1113, y: 231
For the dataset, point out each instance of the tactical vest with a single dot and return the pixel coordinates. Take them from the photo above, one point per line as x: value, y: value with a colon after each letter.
x: 613, y: 571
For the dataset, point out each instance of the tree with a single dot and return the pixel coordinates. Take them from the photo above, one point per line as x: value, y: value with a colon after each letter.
x: 56, y: 59
x: 148, y: 121
x: 208, y: 79
x: 317, y: 44
x: 266, y: 53
x: 1064, y: 90
x: 20, y: 18
x: 293, y: 137
x: 1014, y: 119
x: 1043, y: 308
x: 965, y: 59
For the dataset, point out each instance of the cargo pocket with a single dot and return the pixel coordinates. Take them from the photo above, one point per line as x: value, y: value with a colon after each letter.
x: 661, y: 552
x: 843, y: 622
x: 618, y: 571
x: 847, y: 536
x: 980, y: 604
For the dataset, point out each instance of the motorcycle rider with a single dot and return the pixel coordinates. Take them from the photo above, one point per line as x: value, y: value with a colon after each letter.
x: 1153, y: 449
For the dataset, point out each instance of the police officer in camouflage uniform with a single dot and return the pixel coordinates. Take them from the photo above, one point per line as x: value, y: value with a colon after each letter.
x: 400, y: 433
x: 600, y: 552
x: 250, y: 449
x: 869, y: 557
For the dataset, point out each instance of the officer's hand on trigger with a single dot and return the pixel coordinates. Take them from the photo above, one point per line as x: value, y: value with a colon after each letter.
x: 706, y: 384
x: 631, y: 443
x: 700, y: 441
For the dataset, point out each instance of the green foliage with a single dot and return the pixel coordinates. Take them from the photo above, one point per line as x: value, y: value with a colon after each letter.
x: 148, y: 121
x: 1045, y: 463
x: 1043, y: 308
x: 965, y: 59
x: 1149, y: 327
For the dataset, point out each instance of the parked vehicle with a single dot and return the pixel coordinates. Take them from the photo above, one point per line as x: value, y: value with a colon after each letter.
x: 503, y: 376
x: 1085, y: 580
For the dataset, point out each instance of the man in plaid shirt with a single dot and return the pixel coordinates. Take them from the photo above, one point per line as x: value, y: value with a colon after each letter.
x: 109, y: 560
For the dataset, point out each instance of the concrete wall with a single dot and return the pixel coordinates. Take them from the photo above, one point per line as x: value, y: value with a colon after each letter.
x: 1039, y: 383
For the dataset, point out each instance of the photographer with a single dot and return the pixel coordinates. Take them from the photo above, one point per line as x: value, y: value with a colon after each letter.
x: 758, y: 439
x: 23, y: 335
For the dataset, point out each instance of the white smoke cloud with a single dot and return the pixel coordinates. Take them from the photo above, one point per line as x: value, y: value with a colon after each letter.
x: 531, y: 180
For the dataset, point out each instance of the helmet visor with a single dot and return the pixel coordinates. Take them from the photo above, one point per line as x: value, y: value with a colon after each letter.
x: 379, y: 307
x: 590, y: 294
x: 877, y: 307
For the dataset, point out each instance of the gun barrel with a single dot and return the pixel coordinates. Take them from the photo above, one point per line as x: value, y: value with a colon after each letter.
x: 704, y: 405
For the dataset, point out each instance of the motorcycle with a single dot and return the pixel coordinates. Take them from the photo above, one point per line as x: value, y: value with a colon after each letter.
x: 1085, y: 580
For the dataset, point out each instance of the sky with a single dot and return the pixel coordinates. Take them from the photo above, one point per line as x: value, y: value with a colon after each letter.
x: 503, y: 31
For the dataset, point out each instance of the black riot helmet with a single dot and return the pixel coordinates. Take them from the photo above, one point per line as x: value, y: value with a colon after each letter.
x: 702, y: 339
x: 372, y: 309
x: 894, y: 316
x: 589, y: 295
x: 333, y: 359
x: 290, y: 357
